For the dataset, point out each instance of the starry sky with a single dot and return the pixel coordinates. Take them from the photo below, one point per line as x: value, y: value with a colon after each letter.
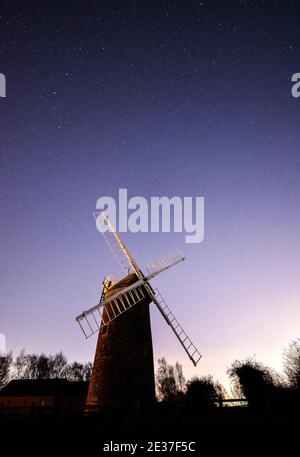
x: 187, y: 98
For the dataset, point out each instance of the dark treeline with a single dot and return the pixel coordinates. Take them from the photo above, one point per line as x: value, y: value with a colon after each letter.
x: 201, y: 392
x: 41, y: 366
x: 260, y: 385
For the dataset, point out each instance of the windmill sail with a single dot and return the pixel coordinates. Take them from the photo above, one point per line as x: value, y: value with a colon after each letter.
x: 158, y: 266
x: 126, y: 260
x: 117, y: 245
x: 91, y: 320
x: 187, y: 344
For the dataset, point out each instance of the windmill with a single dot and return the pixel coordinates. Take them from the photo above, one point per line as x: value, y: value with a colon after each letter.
x: 123, y: 371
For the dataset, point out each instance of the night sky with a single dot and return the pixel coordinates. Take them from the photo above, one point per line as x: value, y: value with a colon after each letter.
x: 187, y: 98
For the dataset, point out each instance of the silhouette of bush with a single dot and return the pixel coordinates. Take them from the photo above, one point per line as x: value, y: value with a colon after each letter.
x: 202, y: 393
x: 255, y: 381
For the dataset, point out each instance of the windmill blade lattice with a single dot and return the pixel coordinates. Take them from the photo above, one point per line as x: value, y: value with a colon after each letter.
x: 117, y: 245
x: 90, y: 321
x: 164, y: 263
x: 187, y: 344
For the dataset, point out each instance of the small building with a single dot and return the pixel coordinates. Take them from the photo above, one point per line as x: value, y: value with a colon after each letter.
x: 57, y: 395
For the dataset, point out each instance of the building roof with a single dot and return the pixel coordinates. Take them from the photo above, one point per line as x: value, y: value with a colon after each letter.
x: 45, y: 387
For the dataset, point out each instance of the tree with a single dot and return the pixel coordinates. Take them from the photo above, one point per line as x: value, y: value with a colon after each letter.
x: 220, y: 391
x: 40, y: 366
x: 202, y: 393
x: 36, y: 366
x: 58, y: 366
x: 79, y: 371
x: 20, y: 365
x: 291, y: 357
x: 254, y: 380
x: 179, y: 379
x: 5, y: 367
x: 237, y: 392
x: 165, y: 380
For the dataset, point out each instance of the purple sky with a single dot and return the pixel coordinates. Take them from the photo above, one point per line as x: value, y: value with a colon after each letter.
x: 163, y: 98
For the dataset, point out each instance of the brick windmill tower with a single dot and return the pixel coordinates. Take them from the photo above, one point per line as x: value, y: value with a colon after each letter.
x: 123, y: 371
